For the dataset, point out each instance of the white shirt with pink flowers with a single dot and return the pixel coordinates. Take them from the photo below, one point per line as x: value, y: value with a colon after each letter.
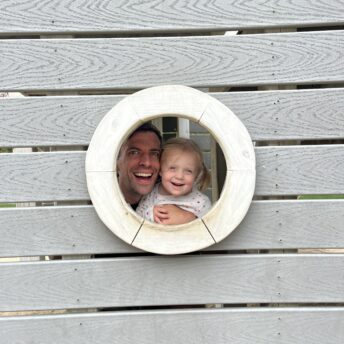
x: 195, y: 202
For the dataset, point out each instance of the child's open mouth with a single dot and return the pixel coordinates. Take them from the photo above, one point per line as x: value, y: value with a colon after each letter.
x: 177, y: 184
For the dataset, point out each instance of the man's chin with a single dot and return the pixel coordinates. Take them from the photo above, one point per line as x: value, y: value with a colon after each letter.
x: 143, y: 186
x: 144, y: 189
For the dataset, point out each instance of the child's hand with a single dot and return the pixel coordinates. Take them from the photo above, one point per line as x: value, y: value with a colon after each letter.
x: 169, y: 214
x: 160, y: 214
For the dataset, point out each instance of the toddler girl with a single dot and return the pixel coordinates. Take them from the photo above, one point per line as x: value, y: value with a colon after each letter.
x: 183, y: 175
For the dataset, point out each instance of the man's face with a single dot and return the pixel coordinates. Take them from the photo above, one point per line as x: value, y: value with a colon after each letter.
x: 138, y: 165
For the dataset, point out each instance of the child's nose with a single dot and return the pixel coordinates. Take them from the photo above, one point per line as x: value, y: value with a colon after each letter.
x: 179, y: 174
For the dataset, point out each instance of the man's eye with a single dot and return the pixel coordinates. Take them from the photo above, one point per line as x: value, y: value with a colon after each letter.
x: 133, y: 152
x: 156, y: 154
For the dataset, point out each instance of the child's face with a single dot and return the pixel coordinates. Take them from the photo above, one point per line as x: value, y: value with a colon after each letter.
x: 178, y: 172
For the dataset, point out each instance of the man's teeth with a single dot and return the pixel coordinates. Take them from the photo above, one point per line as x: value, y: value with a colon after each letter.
x: 146, y: 175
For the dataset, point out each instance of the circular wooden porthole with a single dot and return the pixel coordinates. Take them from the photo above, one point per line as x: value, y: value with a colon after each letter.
x: 179, y: 101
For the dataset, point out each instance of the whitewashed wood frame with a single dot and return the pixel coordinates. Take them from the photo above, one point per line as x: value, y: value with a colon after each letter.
x: 180, y: 101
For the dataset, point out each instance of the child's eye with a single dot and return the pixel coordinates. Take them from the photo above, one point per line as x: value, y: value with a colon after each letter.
x: 172, y: 168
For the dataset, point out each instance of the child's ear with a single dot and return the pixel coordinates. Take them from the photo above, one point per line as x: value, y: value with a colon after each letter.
x: 198, y: 178
x: 160, y: 174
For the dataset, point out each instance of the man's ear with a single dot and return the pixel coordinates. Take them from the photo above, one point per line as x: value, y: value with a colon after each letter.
x: 119, y: 159
x: 117, y: 165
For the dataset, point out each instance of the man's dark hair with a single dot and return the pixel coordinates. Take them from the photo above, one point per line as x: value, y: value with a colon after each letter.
x: 147, y: 127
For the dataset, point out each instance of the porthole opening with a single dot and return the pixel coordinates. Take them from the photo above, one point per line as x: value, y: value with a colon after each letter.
x: 152, y: 104
x: 191, y: 172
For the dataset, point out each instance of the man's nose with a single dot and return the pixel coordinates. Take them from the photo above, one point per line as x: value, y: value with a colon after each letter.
x: 145, y: 160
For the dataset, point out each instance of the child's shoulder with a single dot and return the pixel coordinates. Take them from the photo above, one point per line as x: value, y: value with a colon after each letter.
x: 198, y: 195
x: 151, y: 196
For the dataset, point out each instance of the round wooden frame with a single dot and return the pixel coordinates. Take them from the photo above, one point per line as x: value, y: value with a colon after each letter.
x: 179, y: 101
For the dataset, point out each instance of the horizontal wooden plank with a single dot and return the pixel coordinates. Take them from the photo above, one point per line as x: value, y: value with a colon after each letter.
x: 55, y: 231
x: 82, y: 64
x: 78, y: 230
x: 85, y: 16
x: 184, y: 280
x: 292, y: 170
x: 300, y: 170
x: 43, y: 176
x: 270, y: 115
x: 239, y: 326
x: 289, y: 115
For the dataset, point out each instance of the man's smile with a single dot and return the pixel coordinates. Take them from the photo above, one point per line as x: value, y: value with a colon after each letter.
x: 145, y: 175
x: 144, y: 178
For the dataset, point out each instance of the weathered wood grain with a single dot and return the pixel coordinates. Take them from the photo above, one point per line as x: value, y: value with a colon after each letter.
x: 289, y: 225
x: 43, y: 176
x: 56, y: 231
x: 273, y: 115
x: 113, y: 64
x: 78, y: 230
x: 300, y: 170
x: 289, y: 115
x: 292, y: 170
x: 144, y: 281
x: 85, y: 16
x: 83, y: 64
x: 239, y: 326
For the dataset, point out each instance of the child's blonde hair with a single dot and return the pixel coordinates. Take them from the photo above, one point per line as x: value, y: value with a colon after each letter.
x: 187, y: 145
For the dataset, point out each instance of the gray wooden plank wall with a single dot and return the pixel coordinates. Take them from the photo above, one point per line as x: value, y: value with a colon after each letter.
x: 259, y: 326
x: 156, y: 281
x: 245, y: 60
x: 120, y: 47
x: 269, y: 115
x: 288, y: 170
x: 76, y: 230
x: 226, y: 279
x: 87, y: 16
